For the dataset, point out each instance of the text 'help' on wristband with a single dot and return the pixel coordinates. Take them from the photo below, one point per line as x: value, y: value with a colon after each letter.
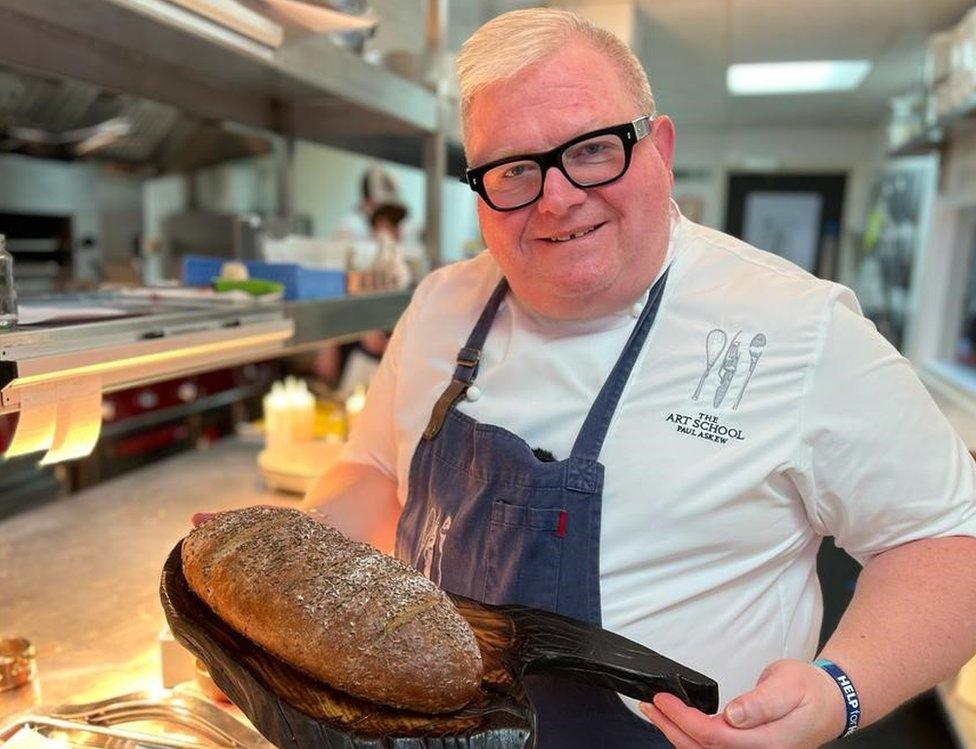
x: 851, y: 701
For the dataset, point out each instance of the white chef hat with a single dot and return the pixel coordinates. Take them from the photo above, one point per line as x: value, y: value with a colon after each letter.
x: 380, y: 186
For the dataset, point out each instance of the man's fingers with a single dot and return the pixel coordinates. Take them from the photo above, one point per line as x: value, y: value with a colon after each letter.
x: 675, y: 735
x: 757, y: 708
x: 712, y: 731
x: 757, y: 718
x: 778, y: 694
x: 703, y: 730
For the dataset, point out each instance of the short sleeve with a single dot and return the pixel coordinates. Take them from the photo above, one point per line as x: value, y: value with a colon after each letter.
x: 373, y: 440
x: 882, y: 464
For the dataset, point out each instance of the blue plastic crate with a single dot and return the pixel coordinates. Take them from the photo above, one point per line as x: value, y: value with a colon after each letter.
x: 298, y: 282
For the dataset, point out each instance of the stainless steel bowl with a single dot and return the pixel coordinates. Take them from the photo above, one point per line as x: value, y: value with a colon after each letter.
x: 18, y: 662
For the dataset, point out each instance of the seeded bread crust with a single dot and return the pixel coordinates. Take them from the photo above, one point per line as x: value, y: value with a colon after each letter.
x: 338, y: 610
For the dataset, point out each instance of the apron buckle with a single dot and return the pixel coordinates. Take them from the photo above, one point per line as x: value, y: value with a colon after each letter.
x: 469, y: 357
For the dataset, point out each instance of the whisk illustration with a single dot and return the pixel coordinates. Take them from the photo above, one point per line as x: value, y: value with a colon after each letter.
x: 714, y: 346
x: 727, y: 372
x: 756, y: 347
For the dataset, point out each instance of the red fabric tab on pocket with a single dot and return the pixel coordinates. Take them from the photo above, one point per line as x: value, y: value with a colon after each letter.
x: 561, y: 528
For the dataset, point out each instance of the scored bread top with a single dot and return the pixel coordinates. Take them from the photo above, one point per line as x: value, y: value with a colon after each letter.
x: 340, y: 611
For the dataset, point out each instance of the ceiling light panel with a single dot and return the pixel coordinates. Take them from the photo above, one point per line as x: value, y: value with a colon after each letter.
x: 771, y: 78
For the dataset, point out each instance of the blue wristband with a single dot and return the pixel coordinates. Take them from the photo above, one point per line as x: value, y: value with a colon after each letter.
x: 851, y: 701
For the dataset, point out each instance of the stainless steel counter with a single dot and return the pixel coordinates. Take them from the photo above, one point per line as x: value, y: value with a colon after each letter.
x: 80, y: 577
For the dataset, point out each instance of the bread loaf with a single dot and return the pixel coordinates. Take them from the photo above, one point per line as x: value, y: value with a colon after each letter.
x: 338, y: 610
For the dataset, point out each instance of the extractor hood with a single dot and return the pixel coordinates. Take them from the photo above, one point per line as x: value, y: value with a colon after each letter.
x: 67, y: 120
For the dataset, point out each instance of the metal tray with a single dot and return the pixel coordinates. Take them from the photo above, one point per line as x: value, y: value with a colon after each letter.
x: 170, y: 721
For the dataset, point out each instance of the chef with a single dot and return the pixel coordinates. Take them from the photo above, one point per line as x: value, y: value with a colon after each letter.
x: 379, y: 187
x: 630, y: 419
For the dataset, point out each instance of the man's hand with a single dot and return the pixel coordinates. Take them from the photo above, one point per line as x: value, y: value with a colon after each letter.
x: 359, y: 500
x: 795, y: 705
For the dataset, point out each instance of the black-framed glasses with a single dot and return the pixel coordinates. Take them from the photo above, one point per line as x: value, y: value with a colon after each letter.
x: 588, y: 160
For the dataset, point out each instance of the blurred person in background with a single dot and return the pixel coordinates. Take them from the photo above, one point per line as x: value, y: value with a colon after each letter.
x: 380, y: 187
x: 389, y: 266
x: 344, y: 367
x: 377, y: 187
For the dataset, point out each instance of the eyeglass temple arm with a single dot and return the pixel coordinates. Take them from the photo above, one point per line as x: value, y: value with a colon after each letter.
x: 642, y: 125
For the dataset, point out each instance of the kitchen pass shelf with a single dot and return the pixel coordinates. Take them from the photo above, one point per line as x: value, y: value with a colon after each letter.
x: 154, y: 340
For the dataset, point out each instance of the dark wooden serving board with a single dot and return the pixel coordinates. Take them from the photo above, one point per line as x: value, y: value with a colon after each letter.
x: 294, y: 711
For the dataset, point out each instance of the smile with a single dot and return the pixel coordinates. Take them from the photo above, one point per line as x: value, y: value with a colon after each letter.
x: 573, y: 235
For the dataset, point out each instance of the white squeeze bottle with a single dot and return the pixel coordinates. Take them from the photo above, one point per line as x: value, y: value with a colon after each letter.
x: 289, y: 414
x: 302, y: 407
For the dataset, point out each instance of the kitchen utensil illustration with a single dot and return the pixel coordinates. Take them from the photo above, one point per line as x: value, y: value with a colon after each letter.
x: 425, y: 559
x: 727, y: 372
x: 714, y: 346
x: 441, y: 537
x: 756, y: 346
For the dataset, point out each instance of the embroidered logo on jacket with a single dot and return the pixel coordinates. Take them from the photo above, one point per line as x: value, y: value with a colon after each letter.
x: 715, y: 346
x: 705, y: 426
x: 723, y: 362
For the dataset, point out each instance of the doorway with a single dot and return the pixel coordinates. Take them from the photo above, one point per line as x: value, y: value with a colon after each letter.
x: 796, y: 216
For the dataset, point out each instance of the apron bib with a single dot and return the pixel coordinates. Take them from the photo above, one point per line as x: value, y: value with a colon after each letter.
x: 475, y: 487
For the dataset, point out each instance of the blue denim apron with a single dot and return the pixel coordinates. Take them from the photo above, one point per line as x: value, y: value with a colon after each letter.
x: 488, y: 519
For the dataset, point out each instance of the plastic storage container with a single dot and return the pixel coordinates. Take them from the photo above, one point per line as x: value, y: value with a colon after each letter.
x: 299, y: 282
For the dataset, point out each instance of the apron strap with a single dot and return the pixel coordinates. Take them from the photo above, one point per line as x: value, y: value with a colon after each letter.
x: 468, y: 359
x: 590, y: 439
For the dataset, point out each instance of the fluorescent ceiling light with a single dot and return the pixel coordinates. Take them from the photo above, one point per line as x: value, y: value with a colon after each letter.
x: 796, y: 77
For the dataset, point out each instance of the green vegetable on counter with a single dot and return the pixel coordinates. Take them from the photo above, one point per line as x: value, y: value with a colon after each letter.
x: 253, y: 286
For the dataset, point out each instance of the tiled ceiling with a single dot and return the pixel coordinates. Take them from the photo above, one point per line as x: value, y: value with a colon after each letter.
x: 687, y: 45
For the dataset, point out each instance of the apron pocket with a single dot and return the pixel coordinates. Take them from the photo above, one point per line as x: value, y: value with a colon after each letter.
x: 523, y: 555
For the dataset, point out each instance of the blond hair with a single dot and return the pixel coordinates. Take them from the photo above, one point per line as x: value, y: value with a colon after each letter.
x: 513, y: 41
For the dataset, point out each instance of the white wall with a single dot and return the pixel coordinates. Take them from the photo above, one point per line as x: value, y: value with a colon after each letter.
x: 161, y: 197
x: 327, y: 184
x: 857, y: 152
x: 100, y: 204
x: 241, y: 186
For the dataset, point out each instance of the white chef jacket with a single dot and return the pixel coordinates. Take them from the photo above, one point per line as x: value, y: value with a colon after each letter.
x: 713, y: 509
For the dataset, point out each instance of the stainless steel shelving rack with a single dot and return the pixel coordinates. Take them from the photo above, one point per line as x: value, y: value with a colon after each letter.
x: 307, y: 88
x: 936, y: 136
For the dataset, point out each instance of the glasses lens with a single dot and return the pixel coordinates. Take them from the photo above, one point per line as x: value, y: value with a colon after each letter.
x: 595, y: 160
x: 513, y: 184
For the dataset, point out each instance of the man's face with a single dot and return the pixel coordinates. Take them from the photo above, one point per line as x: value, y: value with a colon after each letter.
x: 573, y: 92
